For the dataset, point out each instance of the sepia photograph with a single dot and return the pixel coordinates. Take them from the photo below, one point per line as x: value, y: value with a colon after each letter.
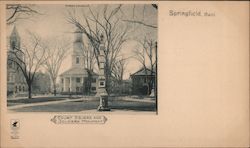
x: 82, y: 58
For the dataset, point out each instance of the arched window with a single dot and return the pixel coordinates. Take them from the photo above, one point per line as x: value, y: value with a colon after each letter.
x: 77, y: 60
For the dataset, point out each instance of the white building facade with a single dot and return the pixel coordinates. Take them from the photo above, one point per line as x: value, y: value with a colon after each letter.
x: 78, y: 79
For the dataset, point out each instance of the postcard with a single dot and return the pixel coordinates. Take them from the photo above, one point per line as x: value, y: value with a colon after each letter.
x: 124, y: 74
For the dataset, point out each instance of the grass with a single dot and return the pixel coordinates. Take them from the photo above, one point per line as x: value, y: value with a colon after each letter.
x: 77, y: 106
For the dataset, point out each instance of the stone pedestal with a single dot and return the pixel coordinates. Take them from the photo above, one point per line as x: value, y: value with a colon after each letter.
x: 103, y: 106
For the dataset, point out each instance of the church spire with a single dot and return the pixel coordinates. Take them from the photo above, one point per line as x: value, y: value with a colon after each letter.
x: 78, y: 35
x: 14, y: 32
x: 14, y: 39
x: 78, y: 48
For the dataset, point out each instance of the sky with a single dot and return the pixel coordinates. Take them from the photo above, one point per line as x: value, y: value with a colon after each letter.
x: 52, y: 24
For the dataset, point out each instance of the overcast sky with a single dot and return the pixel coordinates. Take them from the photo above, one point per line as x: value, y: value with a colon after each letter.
x: 52, y: 24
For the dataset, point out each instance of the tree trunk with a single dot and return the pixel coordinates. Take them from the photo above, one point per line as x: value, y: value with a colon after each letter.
x: 54, y: 91
x: 54, y: 87
x: 149, y: 88
x: 29, y: 91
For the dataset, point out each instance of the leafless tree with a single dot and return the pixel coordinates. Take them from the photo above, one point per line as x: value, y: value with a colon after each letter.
x: 106, y: 22
x: 16, y: 12
x: 29, y: 59
x: 140, y: 20
x: 119, y: 69
x: 145, y: 54
x: 89, y: 57
x: 55, y: 52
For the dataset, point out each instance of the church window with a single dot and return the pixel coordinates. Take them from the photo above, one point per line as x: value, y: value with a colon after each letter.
x: 62, y: 80
x: 20, y: 88
x: 77, y: 60
x: 78, y: 80
x: 102, y: 84
x: 23, y: 88
x: 10, y: 64
x: 11, y: 80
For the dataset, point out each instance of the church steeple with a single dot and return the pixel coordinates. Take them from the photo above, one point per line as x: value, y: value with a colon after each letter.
x: 14, y: 39
x: 78, y: 35
x: 78, y: 47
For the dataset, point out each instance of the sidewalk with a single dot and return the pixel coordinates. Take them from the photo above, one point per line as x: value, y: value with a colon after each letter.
x: 47, y: 103
x: 148, y: 100
x: 36, y: 96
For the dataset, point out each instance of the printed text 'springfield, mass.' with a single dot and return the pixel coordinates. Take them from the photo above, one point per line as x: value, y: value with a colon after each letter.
x: 184, y: 13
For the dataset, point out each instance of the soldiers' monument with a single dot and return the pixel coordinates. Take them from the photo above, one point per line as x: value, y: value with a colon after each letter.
x: 102, y: 92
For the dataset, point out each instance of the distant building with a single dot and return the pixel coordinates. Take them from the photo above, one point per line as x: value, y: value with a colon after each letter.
x: 122, y: 88
x: 77, y: 79
x: 41, y: 83
x: 143, y: 81
x: 16, y: 83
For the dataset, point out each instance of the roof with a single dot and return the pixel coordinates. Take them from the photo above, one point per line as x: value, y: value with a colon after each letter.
x: 143, y: 72
x: 77, y: 71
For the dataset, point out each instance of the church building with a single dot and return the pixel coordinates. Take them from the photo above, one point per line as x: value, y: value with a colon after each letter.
x: 78, y: 79
x: 15, y: 79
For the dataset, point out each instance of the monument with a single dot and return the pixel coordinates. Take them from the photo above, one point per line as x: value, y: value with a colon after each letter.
x: 102, y: 92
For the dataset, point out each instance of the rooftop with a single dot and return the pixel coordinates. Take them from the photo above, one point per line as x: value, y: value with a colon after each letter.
x: 143, y: 71
x: 77, y: 71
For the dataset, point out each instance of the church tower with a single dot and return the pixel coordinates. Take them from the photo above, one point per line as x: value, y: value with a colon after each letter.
x: 78, y: 49
x: 14, y: 39
x: 15, y: 78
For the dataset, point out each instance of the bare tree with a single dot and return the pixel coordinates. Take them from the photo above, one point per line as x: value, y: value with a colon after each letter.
x: 119, y: 70
x: 16, y: 12
x: 146, y: 55
x: 90, y: 65
x: 29, y: 59
x: 55, y: 52
x: 89, y: 57
x: 109, y: 24
x: 140, y: 20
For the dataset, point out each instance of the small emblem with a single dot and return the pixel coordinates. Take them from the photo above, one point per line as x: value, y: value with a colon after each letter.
x: 15, y: 124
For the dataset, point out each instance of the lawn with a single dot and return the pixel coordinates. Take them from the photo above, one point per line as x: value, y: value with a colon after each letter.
x: 77, y: 106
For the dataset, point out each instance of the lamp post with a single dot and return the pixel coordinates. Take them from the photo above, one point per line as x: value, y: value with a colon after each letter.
x: 102, y: 92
